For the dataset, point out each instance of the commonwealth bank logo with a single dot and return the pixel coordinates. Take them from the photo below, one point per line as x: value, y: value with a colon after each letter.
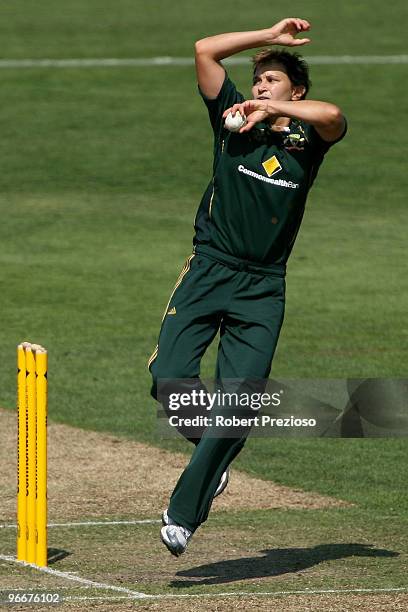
x: 272, y: 166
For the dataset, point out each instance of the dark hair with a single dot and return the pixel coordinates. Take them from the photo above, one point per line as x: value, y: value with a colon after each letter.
x: 295, y: 66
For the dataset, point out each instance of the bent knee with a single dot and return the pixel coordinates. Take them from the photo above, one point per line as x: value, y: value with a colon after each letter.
x: 166, y: 378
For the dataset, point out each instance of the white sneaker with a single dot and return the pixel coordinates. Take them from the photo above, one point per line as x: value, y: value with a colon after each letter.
x: 223, y: 483
x: 176, y: 538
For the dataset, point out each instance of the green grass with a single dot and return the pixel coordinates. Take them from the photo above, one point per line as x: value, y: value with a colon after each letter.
x: 297, y: 551
x: 102, y: 172
x: 366, y: 473
x: 125, y: 28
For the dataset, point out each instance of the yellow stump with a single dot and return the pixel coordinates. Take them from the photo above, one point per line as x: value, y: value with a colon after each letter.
x: 41, y: 511
x: 32, y: 454
x: 21, y: 455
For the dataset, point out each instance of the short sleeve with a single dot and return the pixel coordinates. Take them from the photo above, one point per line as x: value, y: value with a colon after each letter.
x: 324, y: 145
x: 228, y: 95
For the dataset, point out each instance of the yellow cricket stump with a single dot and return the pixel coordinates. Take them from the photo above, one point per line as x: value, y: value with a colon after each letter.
x: 32, y: 362
x: 21, y: 456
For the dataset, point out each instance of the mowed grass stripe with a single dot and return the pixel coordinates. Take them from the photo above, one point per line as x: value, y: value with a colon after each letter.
x: 189, y: 61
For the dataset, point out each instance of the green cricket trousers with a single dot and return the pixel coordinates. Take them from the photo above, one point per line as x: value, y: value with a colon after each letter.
x: 245, y: 302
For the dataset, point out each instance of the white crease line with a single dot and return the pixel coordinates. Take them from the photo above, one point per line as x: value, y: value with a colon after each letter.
x: 97, y: 523
x: 91, y: 523
x: 234, y: 594
x: 73, y: 577
x: 280, y: 593
x: 275, y: 593
x: 138, y: 595
x: 189, y: 61
x: 96, y: 598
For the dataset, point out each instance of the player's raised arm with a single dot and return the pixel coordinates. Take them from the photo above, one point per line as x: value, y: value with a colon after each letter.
x: 211, y: 50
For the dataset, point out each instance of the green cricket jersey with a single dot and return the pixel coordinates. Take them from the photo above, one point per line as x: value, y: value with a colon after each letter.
x: 253, y: 207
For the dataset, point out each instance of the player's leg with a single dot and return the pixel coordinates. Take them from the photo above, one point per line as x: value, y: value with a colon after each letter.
x: 249, y: 334
x: 177, y: 366
x: 191, y: 321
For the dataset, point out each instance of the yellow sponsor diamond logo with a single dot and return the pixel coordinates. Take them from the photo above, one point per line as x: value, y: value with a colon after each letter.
x: 272, y: 166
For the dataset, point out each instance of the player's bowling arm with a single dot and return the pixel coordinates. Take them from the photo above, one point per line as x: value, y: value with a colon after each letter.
x: 211, y: 50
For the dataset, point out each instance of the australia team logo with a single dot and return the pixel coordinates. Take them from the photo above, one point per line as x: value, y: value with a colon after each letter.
x: 295, y: 141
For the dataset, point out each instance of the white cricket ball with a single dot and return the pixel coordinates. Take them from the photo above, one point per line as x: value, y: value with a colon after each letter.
x: 234, y: 124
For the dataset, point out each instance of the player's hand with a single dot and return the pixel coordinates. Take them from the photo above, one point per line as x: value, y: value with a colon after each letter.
x: 285, y: 32
x: 254, y: 111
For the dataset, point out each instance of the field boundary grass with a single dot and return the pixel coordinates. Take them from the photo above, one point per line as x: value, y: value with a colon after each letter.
x: 189, y: 61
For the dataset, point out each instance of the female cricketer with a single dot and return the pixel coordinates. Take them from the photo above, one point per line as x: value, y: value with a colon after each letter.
x: 245, y: 228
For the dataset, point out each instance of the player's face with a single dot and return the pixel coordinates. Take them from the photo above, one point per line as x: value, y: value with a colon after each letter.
x: 271, y: 82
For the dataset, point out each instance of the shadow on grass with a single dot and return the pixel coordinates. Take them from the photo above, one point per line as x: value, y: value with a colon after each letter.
x: 56, y: 554
x: 275, y: 562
